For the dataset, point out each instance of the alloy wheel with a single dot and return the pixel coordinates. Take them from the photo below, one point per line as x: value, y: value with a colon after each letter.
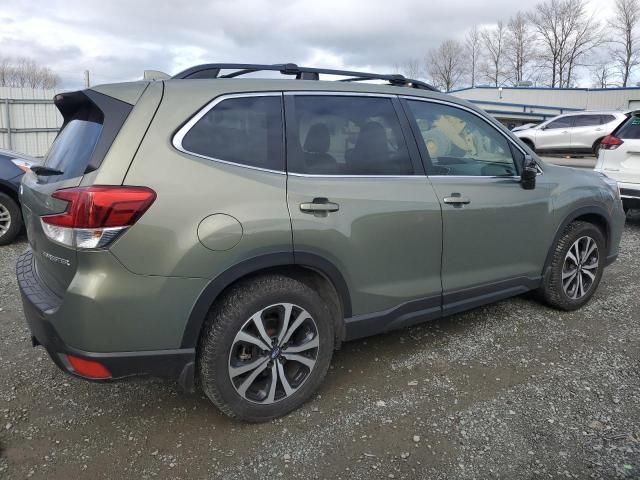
x: 580, y: 267
x: 273, y: 353
x: 5, y: 220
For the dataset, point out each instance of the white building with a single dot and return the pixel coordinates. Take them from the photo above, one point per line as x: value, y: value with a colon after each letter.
x: 518, y: 105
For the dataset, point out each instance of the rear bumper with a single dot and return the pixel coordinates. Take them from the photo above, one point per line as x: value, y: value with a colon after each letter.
x: 39, y: 303
x: 630, y: 194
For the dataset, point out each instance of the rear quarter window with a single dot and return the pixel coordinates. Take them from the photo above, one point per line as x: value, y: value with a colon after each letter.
x: 244, y: 130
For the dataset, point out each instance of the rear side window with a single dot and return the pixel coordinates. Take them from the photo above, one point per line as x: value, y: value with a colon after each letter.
x: 606, y: 119
x: 564, y: 122
x: 243, y: 130
x: 72, y: 149
x: 347, y: 135
x: 630, y: 129
x: 587, y: 120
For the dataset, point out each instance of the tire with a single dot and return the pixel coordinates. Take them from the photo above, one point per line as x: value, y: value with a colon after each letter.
x: 10, y: 219
x: 553, y: 291
x: 529, y: 144
x: 596, y: 147
x: 220, y: 351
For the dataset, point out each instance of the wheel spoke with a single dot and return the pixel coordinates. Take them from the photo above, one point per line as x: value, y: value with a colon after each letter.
x: 284, y: 381
x: 301, y: 318
x: 308, y: 362
x: 242, y: 389
x: 589, y: 274
x: 285, y: 321
x: 248, y: 338
x: 235, y: 371
x: 569, y: 274
x: 257, y: 321
x: 569, y: 280
x: 313, y: 343
x: 580, y: 285
x: 274, y: 383
x: 588, y: 253
x: 571, y: 256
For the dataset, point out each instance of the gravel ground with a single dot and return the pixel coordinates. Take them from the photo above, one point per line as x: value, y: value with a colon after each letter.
x: 511, y: 390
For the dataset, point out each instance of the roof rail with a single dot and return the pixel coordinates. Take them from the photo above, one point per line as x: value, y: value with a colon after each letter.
x: 212, y: 70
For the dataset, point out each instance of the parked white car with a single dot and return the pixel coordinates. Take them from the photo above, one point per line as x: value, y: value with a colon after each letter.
x: 579, y: 132
x: 619, y: 158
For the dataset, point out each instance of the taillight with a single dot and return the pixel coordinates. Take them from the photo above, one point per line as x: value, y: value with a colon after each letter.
x: 610, y: 142
x: 96, y: 215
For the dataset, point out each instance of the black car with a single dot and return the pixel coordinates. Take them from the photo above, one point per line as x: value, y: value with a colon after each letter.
x: 12, y: 166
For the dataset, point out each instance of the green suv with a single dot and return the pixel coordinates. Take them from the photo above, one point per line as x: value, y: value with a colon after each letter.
x: 232, y: 232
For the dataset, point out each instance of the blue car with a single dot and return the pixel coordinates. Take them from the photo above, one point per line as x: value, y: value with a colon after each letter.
x: 13, y: 166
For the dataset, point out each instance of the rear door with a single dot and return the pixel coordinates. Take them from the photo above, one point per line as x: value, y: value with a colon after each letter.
x: 91, y: 122
x: 556, y: 135
x: 586, y: 130
x: 358, y: 197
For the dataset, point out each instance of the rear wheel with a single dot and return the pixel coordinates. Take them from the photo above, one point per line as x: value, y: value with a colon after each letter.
x: 10, y: 219
x: 596, y: 147
x: 576, y: 267
x: 265, y: 349
x: 529, y: 144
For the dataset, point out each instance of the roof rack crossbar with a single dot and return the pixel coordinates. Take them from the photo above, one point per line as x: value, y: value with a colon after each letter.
x: 212, y: 70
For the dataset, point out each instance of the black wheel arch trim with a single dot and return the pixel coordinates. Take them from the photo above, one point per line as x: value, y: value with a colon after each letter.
x: 253, y: 265
x: 588, y: 210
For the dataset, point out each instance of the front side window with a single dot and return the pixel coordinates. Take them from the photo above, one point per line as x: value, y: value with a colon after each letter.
x: 460, y: 143
x: 345, y: 135
x: 243, y: 130
x: 587, y: 120
x: 562, y: 122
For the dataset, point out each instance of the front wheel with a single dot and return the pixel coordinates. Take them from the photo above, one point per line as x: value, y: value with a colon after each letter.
x: 576, y: 267
x: 265, y: 348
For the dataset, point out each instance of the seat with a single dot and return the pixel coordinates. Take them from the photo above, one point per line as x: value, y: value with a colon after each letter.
x: 316, y: 145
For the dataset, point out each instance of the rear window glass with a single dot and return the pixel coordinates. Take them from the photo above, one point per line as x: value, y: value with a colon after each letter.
x: 587, y: 120
x: 563, y: 122
x: 343, y: 135
x: 246, y: 130
x: 630, y: 129
x: 72, y: 149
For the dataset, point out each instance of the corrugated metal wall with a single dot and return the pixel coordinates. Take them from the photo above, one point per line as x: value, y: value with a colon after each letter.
x: 580, y: 98
x: 29, y: 120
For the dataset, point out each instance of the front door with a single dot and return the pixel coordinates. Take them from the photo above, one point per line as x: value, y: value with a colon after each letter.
x: 358, y: 197
x: 555, y: 135
x: 494, y: 236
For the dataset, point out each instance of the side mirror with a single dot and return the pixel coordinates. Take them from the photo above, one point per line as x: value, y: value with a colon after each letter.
x: 529, y: 173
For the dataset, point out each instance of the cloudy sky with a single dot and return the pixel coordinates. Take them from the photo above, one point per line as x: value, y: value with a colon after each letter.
x: 116, y: 40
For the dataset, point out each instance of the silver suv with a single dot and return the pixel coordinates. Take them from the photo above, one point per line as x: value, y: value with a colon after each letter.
x: 572, y: 132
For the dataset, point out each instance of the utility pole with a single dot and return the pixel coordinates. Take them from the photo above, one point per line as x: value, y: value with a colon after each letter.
x: 87, y: 84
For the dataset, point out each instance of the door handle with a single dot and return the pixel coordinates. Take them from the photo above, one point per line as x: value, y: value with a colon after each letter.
x: 319, y: 206
x: 456, y: 200
x: 565, y: 132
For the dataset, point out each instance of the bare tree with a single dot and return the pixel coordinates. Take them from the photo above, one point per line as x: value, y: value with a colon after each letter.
x: 519, y: 47
x: 447, y: 64
x: 24, y: 72
x: 411, y: 68
x: 473, y: 47
x: 493, y: 41
x: 567, y: 35
x: 602, y: 75
x: 625, y: 51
